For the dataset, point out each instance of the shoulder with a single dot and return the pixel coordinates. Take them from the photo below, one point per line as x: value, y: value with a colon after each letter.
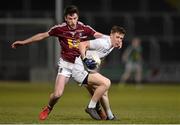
x: 59, y: 26
x: 83, y: 25
x: 80, y: 23
x: 104, y: 38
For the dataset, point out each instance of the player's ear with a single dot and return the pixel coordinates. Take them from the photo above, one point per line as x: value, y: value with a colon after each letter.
x: 111, y: 35
x: 65, y: 18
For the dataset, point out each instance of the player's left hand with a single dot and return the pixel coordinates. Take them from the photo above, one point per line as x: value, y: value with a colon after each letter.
x: 90, y: 63
x: 17, y: 44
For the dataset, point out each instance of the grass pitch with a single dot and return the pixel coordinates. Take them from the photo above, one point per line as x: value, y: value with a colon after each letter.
x: 149, y: 104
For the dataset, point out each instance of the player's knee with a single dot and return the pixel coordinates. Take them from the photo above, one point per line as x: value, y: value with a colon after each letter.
x: 58, y: 94
x: 107, y: 83
x: 105, y: 94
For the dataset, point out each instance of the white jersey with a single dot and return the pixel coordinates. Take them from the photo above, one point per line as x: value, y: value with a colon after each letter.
x: 102, y: 46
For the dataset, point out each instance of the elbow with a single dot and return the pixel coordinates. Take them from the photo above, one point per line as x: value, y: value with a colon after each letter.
x: 42, y: 36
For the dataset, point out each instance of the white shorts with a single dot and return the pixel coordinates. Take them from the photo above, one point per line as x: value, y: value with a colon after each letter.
x: 79, y: 73
x: 76, y: 69
x: 65, y: 68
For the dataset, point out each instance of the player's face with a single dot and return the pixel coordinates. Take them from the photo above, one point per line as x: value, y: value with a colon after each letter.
x: 117, y: 39
x: 72, y: 20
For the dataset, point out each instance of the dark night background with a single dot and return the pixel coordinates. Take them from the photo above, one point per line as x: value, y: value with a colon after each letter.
x: 156, y: 22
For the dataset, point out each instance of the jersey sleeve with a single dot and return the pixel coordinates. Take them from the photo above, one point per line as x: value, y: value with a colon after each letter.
x: 55, y: 31
x: 96, y: 43
x: 89, y: 30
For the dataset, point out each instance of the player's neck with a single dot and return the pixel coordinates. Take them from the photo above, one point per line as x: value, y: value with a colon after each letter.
x: 72, y: 27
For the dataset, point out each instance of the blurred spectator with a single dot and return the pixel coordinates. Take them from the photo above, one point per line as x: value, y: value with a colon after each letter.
x: 132, y: 57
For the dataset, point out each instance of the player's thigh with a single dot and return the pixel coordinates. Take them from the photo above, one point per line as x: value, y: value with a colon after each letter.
x: 63, y: 75
x: 61, y: 81
x: 96, y: 79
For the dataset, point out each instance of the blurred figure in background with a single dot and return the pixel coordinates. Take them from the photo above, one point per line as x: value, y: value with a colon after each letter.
x: 132, y: 57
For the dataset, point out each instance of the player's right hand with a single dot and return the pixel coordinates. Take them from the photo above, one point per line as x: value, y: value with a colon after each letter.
x: 89, y: 63
x: 17, y: 44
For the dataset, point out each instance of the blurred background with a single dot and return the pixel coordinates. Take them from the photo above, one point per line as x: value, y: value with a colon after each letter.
x: 156, y: 22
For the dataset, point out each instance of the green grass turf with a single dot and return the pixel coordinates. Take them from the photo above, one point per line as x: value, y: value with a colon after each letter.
x: 152, y: 103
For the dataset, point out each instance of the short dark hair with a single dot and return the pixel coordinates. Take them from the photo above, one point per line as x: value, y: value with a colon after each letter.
x: 118, y: 29
x: 69, y: 10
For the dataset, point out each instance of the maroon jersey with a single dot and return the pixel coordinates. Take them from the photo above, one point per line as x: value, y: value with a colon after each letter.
x: 69, y: 39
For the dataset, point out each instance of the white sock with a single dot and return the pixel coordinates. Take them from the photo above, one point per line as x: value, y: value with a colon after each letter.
x: 109, y: 114
x: 92, y: 104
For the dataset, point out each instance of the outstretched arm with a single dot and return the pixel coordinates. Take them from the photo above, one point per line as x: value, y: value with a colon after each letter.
x: 35, y: 38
